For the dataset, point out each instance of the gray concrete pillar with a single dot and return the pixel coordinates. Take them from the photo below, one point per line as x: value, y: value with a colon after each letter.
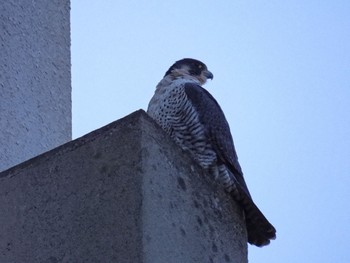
x: 124, y: 193
x: 35, y: 80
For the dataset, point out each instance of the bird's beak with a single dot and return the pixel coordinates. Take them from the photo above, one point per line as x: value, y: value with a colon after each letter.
x: 208, y: 74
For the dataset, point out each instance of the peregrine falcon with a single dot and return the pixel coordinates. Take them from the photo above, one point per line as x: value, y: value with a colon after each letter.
x: 194, y: 119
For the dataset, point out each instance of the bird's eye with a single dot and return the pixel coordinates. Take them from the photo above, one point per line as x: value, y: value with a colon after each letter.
x: 200, y: 66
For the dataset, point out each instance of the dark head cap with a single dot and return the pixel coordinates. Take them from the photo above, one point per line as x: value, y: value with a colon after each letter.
x: 195, y: 67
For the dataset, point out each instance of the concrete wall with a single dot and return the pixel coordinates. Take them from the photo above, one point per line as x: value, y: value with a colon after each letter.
x: 35, y: 81
x: 123, y: 193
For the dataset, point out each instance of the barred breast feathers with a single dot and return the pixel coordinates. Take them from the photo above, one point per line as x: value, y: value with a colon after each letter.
x: 174, y: 112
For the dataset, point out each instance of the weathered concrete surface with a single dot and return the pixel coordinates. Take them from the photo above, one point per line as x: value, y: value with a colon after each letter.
x: 35, y: 80
x: 123, y: 193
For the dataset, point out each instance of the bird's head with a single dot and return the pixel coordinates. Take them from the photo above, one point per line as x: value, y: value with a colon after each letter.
x: 189, y: 68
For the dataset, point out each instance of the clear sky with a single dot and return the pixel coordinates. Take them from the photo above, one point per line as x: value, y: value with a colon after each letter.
x: 282, y: 76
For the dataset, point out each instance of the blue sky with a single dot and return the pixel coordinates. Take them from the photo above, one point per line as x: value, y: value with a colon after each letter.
x: 282, y: 76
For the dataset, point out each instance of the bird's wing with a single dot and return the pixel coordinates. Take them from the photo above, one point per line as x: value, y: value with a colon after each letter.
x: 260, y: 231
x: 216, y: 129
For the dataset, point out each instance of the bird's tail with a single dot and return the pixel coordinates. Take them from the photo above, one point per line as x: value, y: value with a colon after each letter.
x: 260, y: 230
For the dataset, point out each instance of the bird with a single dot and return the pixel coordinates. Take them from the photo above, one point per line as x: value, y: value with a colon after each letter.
x: 192, y: 117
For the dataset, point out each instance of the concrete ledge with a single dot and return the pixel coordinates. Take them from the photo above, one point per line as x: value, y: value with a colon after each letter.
x: 123, y: 193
